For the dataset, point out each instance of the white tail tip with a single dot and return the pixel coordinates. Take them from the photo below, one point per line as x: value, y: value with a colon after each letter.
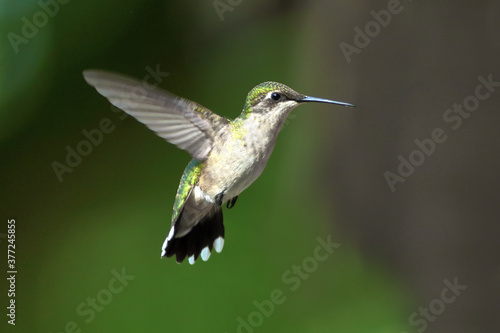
x: 165, y: 243
x: 218, y: 244
x: 205, y: 253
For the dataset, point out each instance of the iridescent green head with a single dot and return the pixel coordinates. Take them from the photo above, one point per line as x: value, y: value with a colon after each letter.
x: 271, y: 97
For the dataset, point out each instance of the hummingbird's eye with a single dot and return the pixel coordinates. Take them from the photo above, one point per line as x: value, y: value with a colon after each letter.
x: 275, y: 96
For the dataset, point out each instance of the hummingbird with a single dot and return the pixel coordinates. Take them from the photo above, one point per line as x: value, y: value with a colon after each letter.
x: 227, y: 155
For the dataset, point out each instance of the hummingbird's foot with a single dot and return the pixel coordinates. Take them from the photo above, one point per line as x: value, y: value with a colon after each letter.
x: 218, y: 198
x: 230, y: 204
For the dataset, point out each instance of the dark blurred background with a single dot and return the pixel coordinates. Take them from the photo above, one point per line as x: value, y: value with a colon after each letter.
x: 417, y: 227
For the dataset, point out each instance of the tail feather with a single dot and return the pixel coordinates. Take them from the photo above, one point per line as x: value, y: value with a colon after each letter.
x: 199, y: 241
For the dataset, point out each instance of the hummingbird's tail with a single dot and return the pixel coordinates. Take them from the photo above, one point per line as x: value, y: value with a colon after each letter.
x: 206, y: 235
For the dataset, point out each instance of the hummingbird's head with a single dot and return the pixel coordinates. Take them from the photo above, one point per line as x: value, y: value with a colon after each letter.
x: 276, y: 100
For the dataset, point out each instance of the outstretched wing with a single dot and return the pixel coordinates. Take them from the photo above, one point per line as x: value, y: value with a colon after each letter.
x: 181, y: 122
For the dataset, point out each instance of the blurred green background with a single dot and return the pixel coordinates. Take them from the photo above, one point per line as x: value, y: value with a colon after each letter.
x: 325, y: 178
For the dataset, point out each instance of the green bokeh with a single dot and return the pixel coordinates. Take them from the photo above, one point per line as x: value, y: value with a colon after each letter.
x: 113, y: 210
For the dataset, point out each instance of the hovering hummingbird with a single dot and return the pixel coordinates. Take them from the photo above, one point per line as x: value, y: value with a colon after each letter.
x: 228, y: 155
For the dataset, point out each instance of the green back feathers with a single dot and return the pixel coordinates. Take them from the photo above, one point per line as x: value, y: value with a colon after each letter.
x: 188, y: 180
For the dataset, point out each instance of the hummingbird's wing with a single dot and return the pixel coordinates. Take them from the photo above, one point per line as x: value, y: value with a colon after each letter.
x: 181, y: 122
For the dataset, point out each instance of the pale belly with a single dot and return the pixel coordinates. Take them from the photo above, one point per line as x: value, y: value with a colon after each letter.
x: 232, y: 170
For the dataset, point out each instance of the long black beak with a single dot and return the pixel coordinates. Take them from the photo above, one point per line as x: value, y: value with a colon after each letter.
x: 323, y: 100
